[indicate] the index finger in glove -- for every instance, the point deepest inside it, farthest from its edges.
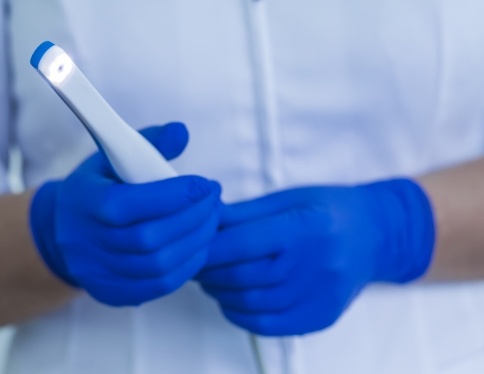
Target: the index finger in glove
(269, 205)
(170, 139)
(136, 203)
(127, 204)
(267, 236)
(250, 241)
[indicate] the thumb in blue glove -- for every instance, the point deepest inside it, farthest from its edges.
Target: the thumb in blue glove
(291, 262)
(126, 244)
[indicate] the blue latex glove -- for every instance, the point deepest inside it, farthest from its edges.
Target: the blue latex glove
(126, 244)
(291, 262)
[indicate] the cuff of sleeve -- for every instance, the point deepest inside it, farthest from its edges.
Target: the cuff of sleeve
(42, 227)
(409, 221)
(421, 230)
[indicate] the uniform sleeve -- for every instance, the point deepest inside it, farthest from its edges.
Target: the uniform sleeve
(5, 100)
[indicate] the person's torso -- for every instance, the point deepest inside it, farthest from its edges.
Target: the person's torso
(275, 94)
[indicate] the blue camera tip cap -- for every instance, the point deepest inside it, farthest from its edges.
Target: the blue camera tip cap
(39, 53)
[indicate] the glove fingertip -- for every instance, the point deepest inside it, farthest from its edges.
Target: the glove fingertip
(198, 188)
(42, 228)
(216, 187)
(170, 139)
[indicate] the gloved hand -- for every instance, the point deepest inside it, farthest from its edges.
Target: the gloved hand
(291, 262)
(126, 244)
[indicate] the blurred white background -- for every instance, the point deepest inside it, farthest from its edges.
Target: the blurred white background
(5, 336)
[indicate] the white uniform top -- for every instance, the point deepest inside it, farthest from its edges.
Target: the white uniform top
(275, 94)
